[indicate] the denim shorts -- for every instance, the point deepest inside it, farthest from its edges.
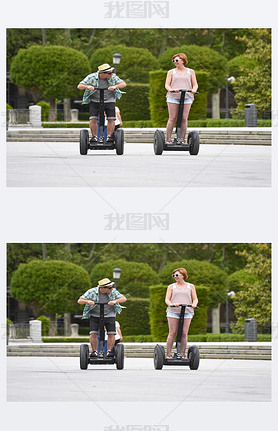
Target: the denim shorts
(187, 101)
(177, 316)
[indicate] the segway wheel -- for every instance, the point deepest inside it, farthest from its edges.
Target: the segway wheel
(84, 356)
(159, 142)
(119, 356)
(194, 357)
(194, 142)
(84, 141)
(159, 357)
(119, 141)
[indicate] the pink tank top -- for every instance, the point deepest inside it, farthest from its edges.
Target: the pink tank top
(181, 81)
(181, 295)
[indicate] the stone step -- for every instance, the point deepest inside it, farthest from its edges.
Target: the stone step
(138, 350)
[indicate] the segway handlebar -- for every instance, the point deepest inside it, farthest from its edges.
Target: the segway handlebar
(185, 305)
(186, 91)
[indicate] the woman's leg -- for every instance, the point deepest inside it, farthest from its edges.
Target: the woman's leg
(184, 335)
(173, 329)
(173, 113)
(186, 110)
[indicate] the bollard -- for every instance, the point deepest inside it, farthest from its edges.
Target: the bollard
(74, 329)
(35, 116)
(74, 115)
(250, 330)
(250, 114)
(35, 331)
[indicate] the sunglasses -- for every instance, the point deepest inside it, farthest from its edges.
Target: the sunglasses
(176, 60)
(108, 287)
(175, 275)
(108, 73)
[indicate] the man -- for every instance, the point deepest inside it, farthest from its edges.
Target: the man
(107, 294)
(104, 78)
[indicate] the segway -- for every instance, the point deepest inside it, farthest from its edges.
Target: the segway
(193, 357)
(193, 141)
(101, 359)
(85, 143)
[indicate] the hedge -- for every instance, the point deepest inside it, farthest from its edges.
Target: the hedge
(158, 319)
(134, 105)
(148, 338)
(158, 104)
(45, 325)
(136, 63)
(209, 122)
(45, 110)
(200, 273)
(134, 319)
(135, 279)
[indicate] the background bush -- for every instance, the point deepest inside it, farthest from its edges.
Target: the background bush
(158, 319)
(134, 319)
(134, 105)
(239, 280)
(45, 325)
(45, 110)
(135, 279)
(158, 104)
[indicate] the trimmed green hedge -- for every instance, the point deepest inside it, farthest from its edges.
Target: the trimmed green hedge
(134, 319)
(45, 325)
(134, 105)
(45, 110)
(239, 280)
(148, 338)
(158, 104)
(209, 122)
(135, 279)
(158, 319)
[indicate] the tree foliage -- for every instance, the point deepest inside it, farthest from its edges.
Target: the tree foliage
(254, 84)
(50, 71)
(50, 286)
(255, 300)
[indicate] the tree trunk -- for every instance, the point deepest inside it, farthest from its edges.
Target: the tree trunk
(52, 328)
(44, 251)
(215, 104)
(216, 320)
(44, 39)
(67, 115)
(52, 110)
(67, 323)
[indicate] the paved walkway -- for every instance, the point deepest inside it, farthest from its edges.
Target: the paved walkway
(60, 379)
(57, 164)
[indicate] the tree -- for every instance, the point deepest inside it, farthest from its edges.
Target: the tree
(254, 84)
(255, 300)
(136, 63)
(50, 286)
(51, 71)
(135, 279)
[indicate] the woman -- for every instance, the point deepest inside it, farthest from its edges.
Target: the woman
(179, 292)
(180, 78)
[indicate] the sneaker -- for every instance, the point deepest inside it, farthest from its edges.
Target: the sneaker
(94, 354)
(109, 354)
(93, 139)
(110, 139)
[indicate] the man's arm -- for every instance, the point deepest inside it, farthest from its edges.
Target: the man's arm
(85, 87)
(118, 300)
(83, 301)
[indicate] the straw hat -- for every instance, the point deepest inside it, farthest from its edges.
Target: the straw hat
(105, 68)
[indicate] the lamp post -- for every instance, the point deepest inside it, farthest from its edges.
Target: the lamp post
(228, 79)
(116, 60)
(231, 294)
(116, 275)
